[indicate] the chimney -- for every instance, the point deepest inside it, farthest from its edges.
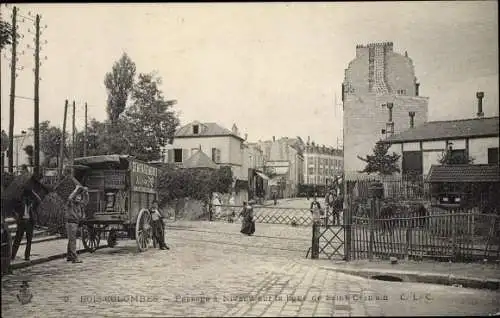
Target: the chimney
(274, 138)
(480, 96)
(417, 86)
(412, 119)
(246, 136)
(390, 106)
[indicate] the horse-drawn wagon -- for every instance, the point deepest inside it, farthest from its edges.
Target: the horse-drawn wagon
(121, 190)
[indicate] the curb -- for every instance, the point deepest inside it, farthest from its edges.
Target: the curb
(427, 278)
(47, 259)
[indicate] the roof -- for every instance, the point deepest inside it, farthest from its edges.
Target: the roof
(200, 160)
(449, 129)
(206, 130)
(464, 173)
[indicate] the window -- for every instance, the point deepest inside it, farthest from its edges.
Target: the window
(401, 91)
(216, 155)
(311, 170)
(196, 129)
(493, 156)
(177, 155)
(412, 162)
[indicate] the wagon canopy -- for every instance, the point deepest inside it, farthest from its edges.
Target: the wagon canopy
(103, 161)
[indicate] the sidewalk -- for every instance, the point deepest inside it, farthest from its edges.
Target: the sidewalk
(45, 250)
(468, 275)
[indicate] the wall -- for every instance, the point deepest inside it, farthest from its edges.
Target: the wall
(432, 151)
(478, 148)
(366, 91)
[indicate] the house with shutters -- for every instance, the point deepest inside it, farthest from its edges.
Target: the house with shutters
(223, 146)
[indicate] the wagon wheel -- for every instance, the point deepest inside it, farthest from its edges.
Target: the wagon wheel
(143, 230)
(91, 237)
(112, 238)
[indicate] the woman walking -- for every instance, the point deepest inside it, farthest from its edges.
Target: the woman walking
(247, 224)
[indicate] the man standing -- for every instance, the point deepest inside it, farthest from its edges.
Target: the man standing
(158, 226)
(25, 223)
(74, 216)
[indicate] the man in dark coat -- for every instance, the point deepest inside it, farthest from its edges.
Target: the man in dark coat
(25, 219)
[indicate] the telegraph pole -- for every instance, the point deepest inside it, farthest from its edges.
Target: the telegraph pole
(73, 137)
(85, 139)
(12, 90)
(61, 150)
(36, 168)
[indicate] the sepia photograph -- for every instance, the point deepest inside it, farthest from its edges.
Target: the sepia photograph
(250, 159)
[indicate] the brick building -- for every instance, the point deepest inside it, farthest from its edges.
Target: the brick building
(378, 92)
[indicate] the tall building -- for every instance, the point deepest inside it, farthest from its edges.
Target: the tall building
(380, 95)
(321, 164)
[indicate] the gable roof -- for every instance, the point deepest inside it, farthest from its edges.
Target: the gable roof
(205, 130)
(464, 173)
(199, 160)
(449, 129)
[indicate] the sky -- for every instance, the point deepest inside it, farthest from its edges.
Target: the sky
(274, 69)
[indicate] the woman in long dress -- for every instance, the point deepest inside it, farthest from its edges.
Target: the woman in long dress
(247, 224)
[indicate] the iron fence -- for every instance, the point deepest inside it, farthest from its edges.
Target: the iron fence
(459, 235)
(264, 214)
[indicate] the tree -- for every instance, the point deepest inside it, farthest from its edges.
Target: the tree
(450, 157)
(5, 34)
(119, 84)
(149, 123)
(381, 162)
(50, 143)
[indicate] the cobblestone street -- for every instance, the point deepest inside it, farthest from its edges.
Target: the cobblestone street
(210, 273)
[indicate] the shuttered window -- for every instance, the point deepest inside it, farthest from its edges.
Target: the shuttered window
(216, 155)
(177, 155)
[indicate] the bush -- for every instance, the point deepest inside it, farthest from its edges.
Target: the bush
(197, 184)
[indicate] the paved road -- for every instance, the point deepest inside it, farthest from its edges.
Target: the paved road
(222, 273)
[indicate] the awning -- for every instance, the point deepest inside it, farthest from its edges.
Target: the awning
(263, 176)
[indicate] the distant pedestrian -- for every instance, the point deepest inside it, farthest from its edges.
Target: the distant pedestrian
(216, 204)
(248, 222)
(25, 220)
(275, 198)
(158, 225)
(231, 213)
(315, 209)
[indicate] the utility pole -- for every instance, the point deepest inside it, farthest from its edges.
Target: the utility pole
(36, 168)
(12, 90)
(61, 151)
(73, 138)
(85, 139)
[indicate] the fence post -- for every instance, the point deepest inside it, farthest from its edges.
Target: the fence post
(408, 242)
(315, 239)
(453, 234)
(210, 211)
(346, 216)
(373, 208)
